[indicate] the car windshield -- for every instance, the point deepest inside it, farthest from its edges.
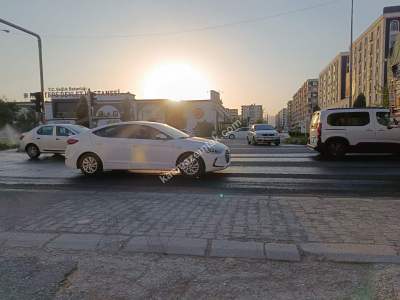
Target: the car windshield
(263, 127)
(173, 132)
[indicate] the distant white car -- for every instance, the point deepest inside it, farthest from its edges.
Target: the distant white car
(50, 138)
(141, 145)
(240, 133)
(263, 134)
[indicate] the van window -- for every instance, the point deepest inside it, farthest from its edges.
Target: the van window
(349, 119)
(383, 118)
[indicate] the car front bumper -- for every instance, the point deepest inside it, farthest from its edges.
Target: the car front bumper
(216, 162)
(267, 139)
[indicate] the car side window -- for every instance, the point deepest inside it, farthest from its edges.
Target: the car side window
(45, 130)
(383, 118)
(63, 131)
(115, 131)
(349, 119)
(144, 132)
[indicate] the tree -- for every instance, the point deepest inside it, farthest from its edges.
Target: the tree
(82, 112)
(360, 101)
(8, 111)
(25, 120)
(385, 96)
(204, 129)
(316, 108)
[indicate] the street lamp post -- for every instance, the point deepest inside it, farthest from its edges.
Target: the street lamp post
(351, 56)
(39, 40)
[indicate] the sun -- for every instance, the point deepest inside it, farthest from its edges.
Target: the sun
(175, 81)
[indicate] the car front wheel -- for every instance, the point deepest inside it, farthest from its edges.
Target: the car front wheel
(90, 164)
(33, 151)
(191, 166)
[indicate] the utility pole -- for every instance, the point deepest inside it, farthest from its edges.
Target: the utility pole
(351, 55)
(39, 40)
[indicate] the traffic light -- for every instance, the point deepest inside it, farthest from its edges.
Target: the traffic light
(38, 100)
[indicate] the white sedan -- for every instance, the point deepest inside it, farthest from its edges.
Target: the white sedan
(240, 133)
(141, 145)
(51, 138)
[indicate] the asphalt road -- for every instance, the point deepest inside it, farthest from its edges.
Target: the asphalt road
(286, 169)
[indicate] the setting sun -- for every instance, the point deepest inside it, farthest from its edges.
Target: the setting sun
(175, 81)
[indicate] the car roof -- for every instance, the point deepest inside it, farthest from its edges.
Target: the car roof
(130, 123)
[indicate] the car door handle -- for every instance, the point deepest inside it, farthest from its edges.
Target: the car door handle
(38, 138)
(57, 139)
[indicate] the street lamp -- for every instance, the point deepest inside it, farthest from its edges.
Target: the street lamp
(39, 40)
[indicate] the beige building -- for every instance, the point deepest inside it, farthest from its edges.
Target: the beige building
(289, 114)
(304, 102)
(370, 53)
(394, 77)
(333, 88)
(281, 120)
(233, 114)
(252, 113)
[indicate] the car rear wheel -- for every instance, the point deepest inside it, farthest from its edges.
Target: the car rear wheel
(231, 136)
(90, 164)
(33, 151)
(336, 149)
(191, 166)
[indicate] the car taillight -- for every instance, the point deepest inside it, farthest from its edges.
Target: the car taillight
(72, 141)
(319, 130)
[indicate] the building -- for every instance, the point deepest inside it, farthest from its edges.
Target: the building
(289, 115)
(233, 114)
(113, 106)
(370, 53)
(190, 115)
(304, 102)
(252, 113)
(333, 87)
(394, 77)
(281, 120)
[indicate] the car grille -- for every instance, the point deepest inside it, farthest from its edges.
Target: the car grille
(268, 134)
(227, 156)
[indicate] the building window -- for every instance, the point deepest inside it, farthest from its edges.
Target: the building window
(394, 26)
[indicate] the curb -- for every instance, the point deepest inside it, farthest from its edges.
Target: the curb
(350, 253)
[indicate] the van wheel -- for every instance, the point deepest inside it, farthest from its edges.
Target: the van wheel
(337, 149)
(90, 164)
(32, 151)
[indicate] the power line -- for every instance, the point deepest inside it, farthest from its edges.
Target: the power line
(198, 29)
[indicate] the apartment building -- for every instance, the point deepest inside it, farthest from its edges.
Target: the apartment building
(333, 87)
(289, 107)
(304, 102)
(370, 55)
(233, 114)
(281, 120)
(394, 76)
(252, 113)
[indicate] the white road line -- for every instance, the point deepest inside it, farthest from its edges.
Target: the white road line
(272, 159)
(275, 155)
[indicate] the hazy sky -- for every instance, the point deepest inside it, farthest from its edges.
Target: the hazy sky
(261, 62)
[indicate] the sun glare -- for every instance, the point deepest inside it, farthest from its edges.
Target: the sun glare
(175, 81)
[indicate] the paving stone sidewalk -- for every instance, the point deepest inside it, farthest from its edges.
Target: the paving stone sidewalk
(205, 217)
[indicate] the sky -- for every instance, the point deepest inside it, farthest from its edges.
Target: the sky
(253, 51)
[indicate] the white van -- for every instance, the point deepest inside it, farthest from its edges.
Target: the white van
(335, 132)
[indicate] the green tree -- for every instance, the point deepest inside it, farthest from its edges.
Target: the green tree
(360, 101)
(25, 120)
(8, 112)
(385, 96)
(82, 112)
(204, 129)
(316, 108)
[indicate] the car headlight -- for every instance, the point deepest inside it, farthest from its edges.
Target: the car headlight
(217, 149)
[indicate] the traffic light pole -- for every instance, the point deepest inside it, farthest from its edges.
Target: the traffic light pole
(39, 40)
